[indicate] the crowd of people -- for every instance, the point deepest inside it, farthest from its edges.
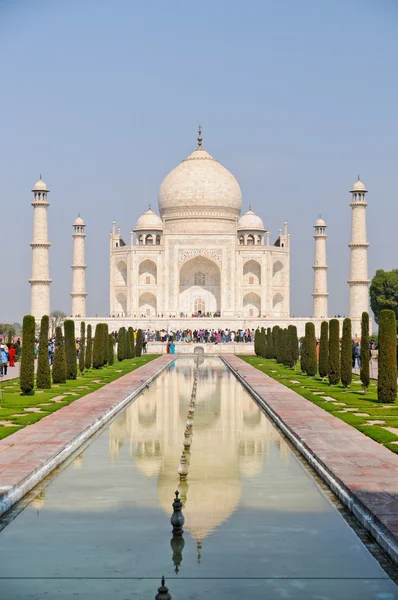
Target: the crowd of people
(7, 356)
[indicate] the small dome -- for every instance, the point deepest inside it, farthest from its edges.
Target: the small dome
(40, 186)
(320, 223)
(79, 221)
(251, 221)
(358, 187)
(149, 221)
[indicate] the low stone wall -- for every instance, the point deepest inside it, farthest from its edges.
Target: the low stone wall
(189, 348)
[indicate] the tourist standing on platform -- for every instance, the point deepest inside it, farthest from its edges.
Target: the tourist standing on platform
(3, 360)
(11, 355)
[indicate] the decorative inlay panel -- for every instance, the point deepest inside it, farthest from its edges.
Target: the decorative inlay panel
(187, 254)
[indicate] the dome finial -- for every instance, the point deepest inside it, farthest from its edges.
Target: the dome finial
(149, 206)
(358, 178)
(199, 138)
(250, 206)
(40, 177)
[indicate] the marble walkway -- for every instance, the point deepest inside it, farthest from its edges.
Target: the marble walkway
(30, 454)
(361, 472)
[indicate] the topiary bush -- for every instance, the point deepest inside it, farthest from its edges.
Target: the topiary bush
(98, 350)
(269, 344)
(138, 343)
(263, 343)
(105, 342)
(275, 340)
(387, 378)
(82, 353)
(120, 344)
(111, 349)
(130, 342)
(310, 350)
(334, 352)
(59, 361)
(27, 374)
(43, 375)
(256, 342)
(323, 363)
(303, 356)
(88, 359)
(346, 354)
(292, 353)
(70, 349)
(365, 358)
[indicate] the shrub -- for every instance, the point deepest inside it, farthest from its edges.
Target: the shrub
(262, 342)
(292, 353)
(27, 374)
(98, 350)
(111, 349)
(323, 364)
(120, 343)
(89, 349)
(387, 378)
(310, 350)
(59, 362)
(275, 341)
(82, 353)
(346, 354)
(364, 372)
(43, 375)
(138, 344)
(256, 342)
(130, 342)
(70, 349)
(269, 346)
(105, 343)
(334, 352)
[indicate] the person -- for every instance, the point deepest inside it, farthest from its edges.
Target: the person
(357, 355)
(51, 348)
(144, 344)
(168, 348)
(3, 360)
(172, 348)
(11, 355)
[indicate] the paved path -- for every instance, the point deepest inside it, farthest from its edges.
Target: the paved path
(373, 369)
(360, 471)
(31, 453)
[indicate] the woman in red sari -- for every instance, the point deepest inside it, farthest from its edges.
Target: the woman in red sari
(11, 355)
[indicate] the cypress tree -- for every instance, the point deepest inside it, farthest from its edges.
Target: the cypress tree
(256, 352)
(82, 353)
(120, 344)
(275, 341)
(138, 345)
(346, 354)
(43, 376)
(263, 343)
(270, 349)
(130, 342)
(105, 341)
(292, 346)
(303, 356)
(334, 352)
(89, 349)
(364, 373)
(98, 355)
(133, 349)
(323, 365)
(70, 349)
(310, 349)
(111, 350)
(387, 378)
(59, 362)
(27, 374)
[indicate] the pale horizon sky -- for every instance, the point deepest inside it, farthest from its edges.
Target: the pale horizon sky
(103, 99)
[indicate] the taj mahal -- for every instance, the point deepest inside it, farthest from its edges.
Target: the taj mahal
(200, 257)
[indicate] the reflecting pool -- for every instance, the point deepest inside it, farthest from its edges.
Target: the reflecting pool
(257, 524)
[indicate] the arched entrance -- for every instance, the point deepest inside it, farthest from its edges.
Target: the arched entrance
(200, 287)
(147, 304)
(252, 305)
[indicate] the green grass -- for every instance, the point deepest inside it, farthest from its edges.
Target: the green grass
(353, 397)
(13, 403)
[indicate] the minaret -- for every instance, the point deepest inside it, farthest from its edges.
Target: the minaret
(40, 281)
(78, 292)
(358, 282)
(320, 267)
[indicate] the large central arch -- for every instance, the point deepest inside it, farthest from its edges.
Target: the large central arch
(200, 278)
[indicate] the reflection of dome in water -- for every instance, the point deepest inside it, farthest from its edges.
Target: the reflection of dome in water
(147, 416)
(252, 415)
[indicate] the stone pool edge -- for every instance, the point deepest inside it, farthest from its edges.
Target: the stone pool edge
(369, 521)
(16, 492)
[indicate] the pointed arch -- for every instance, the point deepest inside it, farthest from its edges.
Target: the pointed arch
(121, 273)
(121, 304)
(252, 305)
(252, 272)
(147, 272)
(148, 304)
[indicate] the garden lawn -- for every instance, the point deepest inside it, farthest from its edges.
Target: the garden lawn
(348, 404)
(17, 411)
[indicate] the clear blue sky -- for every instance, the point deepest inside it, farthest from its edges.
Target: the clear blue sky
(103, 98)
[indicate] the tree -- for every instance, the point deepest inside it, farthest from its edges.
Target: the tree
(56, 319)
(323, 364)
(138, 345)
(7, 328)
(310, 350)
(88, 359)
(261, 343)
(27, 375)
(384, 292)
(70, 349)
(275, 340)
(120, 343)
(133, 344)
(279, 345)
(98, 352)
(130, 342)
(346, 354)
(334, 352)
(387, 378)
(82, 353)
(43, 376)
(269, 346)
(111, 349)
(59, 362)
(105, 342)
(292, 346)
(303, 356)
(256, 344)
(364, 372)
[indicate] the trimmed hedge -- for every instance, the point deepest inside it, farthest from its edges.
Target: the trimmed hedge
(387, 378)
(88, 359)
(27, 375)
(43, 375)
(82, 352)
(138, 344)
(323, 363)
(59, 362)
(120, 343)
(365, 359)
(311, 366)
(70, 349)
(346, 354)
(334, 352)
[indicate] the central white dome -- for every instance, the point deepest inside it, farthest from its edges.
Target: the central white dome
(200, 186)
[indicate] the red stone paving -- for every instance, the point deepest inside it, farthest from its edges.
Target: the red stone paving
(23, 452)
(364, 469)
